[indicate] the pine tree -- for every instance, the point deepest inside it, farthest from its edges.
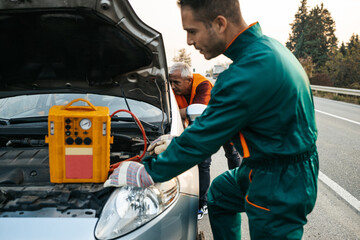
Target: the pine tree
(315, 38)
(322, 42)
(353, 43)
(296, 37)
(342, 49)
(313, 34)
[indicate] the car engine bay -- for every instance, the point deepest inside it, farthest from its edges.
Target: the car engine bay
(25, 187)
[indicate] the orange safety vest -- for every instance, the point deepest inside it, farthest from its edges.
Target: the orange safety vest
(182, 103)
(197, 79)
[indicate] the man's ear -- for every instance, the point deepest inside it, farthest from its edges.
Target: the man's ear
(220, 23)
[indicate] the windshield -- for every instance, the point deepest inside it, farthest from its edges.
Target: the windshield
(38, 105)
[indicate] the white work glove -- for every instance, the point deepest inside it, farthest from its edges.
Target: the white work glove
(129, 174)
(160, 144)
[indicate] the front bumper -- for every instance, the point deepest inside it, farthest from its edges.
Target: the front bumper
(179, 221)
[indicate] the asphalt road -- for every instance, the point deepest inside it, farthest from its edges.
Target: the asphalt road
(339, 142)
(339, 149)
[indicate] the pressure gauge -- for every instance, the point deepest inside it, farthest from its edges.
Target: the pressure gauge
(85, 123)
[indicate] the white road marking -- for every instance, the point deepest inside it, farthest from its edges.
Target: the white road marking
(350, 199)
(332, 115)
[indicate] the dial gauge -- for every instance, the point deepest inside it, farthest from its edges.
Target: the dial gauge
(85, 123)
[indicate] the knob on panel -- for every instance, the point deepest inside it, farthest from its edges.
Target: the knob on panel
(69, 140)
(78, 141)
(87, 141)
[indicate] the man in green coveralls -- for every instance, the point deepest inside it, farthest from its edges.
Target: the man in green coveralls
(263, 104)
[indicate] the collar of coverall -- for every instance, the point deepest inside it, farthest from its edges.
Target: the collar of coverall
(242, 39)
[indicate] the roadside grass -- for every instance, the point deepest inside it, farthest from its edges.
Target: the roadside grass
(337, 97)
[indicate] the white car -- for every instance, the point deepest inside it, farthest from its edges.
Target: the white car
(51, 53)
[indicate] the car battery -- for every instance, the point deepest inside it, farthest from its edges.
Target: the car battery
(79, 143)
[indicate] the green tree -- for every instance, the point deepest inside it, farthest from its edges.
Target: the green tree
(296, 37)
(320, 40)
(183, 56)
(342, 49)
(344, 69)
(353, 43)
(313, 34)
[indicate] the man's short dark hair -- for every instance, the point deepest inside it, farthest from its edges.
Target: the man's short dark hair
(207, 10)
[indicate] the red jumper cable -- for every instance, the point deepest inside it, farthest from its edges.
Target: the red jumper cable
(136, 158)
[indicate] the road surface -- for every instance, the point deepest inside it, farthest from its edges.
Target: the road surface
(335, 215)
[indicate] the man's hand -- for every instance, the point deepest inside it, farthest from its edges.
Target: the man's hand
(129, 174)
(160, 144)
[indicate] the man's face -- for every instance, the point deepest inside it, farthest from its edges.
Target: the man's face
(204, 38)
(180, 85)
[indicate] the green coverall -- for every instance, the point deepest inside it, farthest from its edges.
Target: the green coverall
(265, 95)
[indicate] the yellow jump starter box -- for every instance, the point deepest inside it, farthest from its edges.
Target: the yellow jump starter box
(79, 143)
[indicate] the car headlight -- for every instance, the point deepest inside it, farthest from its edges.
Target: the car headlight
(131, 207)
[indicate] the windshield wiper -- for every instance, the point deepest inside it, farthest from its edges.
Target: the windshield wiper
(128, 119)
(28, 120)
(4, 121)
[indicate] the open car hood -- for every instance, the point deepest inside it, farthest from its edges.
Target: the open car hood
(80, 46)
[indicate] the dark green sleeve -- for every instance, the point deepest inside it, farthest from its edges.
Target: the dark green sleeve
(265, 95)
(227, 112)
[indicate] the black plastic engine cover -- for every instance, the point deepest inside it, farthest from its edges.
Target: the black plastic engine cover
(24, 165)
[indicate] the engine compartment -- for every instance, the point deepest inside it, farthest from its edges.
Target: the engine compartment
(52, 200)
(25, 187)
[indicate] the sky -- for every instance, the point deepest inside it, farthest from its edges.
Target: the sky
(274, 16)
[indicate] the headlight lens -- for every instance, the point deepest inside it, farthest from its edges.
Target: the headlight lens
(130, 207)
